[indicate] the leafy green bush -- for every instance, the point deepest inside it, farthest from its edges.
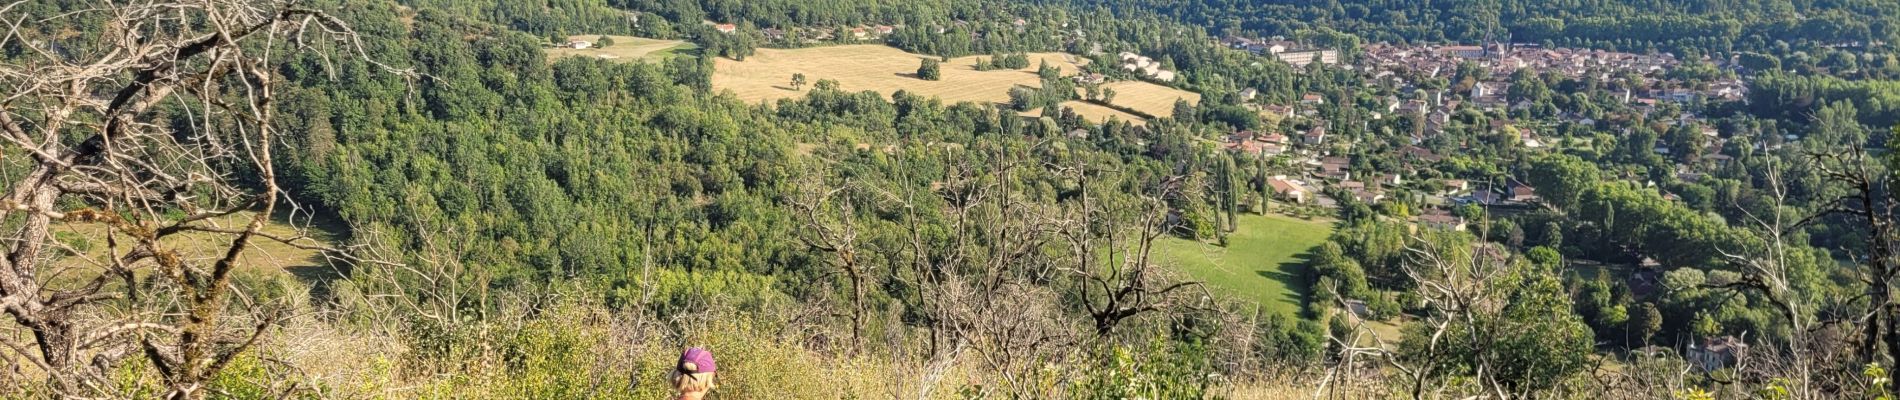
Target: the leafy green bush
(1164, 370)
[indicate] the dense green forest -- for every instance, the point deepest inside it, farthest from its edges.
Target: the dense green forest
(490, 222)
(1704, 26)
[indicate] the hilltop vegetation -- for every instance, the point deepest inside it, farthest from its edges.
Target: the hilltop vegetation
(517, 220)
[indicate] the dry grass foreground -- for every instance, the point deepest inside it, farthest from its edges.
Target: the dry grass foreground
(86, 244)
(624, 49)
(767, 75)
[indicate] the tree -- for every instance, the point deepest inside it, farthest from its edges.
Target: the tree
(798, 81)
(1489, 320)
(603, 42)
(123, 165)
(1562, 179)
(1108, 95)
(826, 212)
(1330, 261)
(1645, 322)
(1022, 99)
(930, 70)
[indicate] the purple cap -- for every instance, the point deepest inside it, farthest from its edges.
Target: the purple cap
(701, 360)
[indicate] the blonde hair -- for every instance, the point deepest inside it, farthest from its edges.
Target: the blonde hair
(691, 382)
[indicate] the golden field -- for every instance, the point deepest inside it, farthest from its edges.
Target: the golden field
(767, 76)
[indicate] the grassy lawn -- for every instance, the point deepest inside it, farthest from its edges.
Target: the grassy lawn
(627, 49)
(1263, 262)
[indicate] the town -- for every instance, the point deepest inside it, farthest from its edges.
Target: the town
(1428, 86)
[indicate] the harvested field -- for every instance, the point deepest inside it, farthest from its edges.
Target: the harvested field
(766, 76)
(1149, 98)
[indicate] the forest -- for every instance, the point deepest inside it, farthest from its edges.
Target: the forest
(486, 221)
(1705, 26)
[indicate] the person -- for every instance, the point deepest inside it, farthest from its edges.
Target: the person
(693, 376)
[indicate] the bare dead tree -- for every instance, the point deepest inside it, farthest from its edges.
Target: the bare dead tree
(1119, 277)
(1766, 271)
(984, 280)
(981, 252)
(1868, 203)
(1457, 287)
(827, 213)
(96, 155)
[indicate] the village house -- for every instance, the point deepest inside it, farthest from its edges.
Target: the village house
(1463, 51)
(1390, 179)
(1315, 136)
(579, 44)
(1300, 59)
(1366, 196)
(1335, 168)
(1245, 146)
(1440, 220)
(1145, 67)
(1288, 189)
(1522, 193)
(1456, 186)
(1415, 153)
(726, 28)
(1485, 197)
(1312, 99)
(1530, 139)
(1716, 353)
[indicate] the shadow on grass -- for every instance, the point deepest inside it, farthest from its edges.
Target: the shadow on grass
(320, 274)
(1293, 275)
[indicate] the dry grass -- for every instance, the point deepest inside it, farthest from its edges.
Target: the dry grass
(202, 248)
(1268, 390)
(625, 49)
(766, 77)
(1149, 98)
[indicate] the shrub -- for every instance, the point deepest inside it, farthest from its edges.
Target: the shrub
(1165, 370)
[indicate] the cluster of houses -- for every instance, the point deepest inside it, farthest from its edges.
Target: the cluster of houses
(1390, 61)
(1327, 175)
(1145, 66)
(818, 34)
(1436, 109)
(1285, 50)
(1327, 171)
(1502, 59)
